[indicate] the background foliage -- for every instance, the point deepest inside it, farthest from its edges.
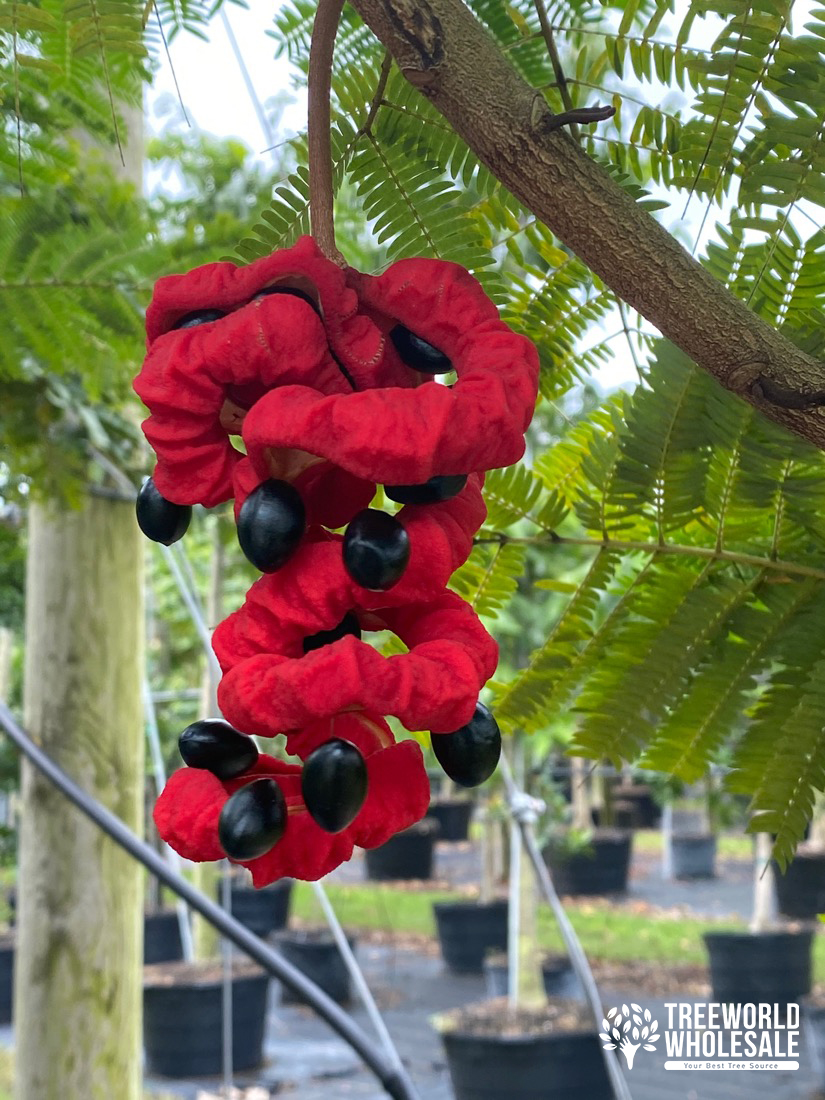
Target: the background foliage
(666, 547)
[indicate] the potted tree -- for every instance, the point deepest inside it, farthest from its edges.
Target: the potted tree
(469, 929)
(767, 962)
(800, 888)
(315, 952)
(262, 911)
(581, 859)
(693, 848)
(451, 808)
(183, 1017)
(407, 855)
(522, 1046)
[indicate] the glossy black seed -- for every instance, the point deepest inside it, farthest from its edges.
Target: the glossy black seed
(470, 754)
(348, 625)
(158, 518)
(199, 317)
(376, 550)
(271, 524)
(252, 820)
(217, 747)
(417, 353)
(429, 492)
(334, 784)
(267, 290)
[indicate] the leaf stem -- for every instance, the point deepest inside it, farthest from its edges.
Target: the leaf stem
(322, 43)
(711, 553)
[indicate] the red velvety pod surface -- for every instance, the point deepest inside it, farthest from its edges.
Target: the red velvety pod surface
(398, 794)
(270, 686)
(189, 807)
(275, 340)
(396, 435)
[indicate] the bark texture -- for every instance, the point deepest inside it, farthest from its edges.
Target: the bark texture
(79, 951)
(445, 52)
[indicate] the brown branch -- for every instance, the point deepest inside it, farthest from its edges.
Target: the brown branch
(445, 52)
(555, 60)
(321, 196)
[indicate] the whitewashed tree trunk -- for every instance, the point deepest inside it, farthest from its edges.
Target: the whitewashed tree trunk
(79, 950)
(580, 794)
(764, 887)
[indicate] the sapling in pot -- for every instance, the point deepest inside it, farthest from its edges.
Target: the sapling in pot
(584, 860)
(520, 1046)
(769, 962)
(801, 886)
(469, 930)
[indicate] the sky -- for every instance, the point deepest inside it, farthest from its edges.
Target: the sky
(212, 85)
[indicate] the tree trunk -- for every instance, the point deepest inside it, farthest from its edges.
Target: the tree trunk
(764, 890)
(580, 794)
(78, 968)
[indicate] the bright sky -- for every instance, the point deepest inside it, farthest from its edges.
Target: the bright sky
(212, 85)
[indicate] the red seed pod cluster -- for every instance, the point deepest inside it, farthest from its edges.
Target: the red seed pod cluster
(331, 380)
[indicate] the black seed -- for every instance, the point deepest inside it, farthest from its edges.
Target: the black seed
(158, 518)
(271, 524)
(217, 747)
(334, 784)
(252, 820)
(348, 625)
(376, 550)
(199, 317)
(417, 353)
(267, 290)
(470, 754)
(430, 492)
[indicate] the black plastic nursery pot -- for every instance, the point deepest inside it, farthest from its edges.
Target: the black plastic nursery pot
(753, 967)
(182, 1018)
(647, 811)
(600, 869)
(694, 856)
(315, 953)
(453, 817)
(557, 973)
(550, 1067)
(800, 891)
(161, 936)
(262, 911)
(467, 930)
(624, 816)
(6, 977)
(407, 855)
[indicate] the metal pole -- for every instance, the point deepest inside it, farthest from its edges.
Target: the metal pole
(357, 975)
(172, 857)
(395, 1080)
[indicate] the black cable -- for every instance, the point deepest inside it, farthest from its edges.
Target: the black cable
(395, 1080)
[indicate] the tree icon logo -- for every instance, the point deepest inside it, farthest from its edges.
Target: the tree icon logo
(627, 1029)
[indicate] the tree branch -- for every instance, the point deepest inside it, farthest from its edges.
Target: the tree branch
(450, 58)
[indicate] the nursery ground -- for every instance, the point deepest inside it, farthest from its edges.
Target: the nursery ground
(646, 947)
